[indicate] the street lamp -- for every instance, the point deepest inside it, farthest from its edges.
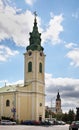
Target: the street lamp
(13, 110)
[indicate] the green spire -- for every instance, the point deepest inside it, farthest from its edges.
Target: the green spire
(35, 38)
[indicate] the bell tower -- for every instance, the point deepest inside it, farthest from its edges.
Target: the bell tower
(58, 104)
(34, 74)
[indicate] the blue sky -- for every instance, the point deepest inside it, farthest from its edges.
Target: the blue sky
(58, 22)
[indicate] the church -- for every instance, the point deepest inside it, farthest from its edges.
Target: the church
(58, 104)
(27, 101)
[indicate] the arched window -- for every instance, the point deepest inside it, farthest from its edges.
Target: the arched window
(7, 103)
(30, 66)
(40, 67)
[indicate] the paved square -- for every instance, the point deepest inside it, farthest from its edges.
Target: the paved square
(24, 127)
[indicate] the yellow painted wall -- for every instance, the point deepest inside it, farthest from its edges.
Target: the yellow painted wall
(6, 110)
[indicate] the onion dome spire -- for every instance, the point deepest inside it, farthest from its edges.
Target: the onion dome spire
(35, 37)
(58, 96)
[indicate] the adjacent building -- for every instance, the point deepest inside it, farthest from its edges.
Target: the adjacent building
(56, 109)
(58, 104)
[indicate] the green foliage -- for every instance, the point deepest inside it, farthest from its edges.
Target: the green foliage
(69, 117)
(59, 116)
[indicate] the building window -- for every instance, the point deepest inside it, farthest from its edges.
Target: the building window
(30, 66)
(40, 104)
(40, 118)
(7, 103)
(41, 54)
(57, 103)
(40, 67)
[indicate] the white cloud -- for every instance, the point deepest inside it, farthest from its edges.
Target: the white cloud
(70, 45)
(6, 52)
(60, 82)
(6, 83)
(30, 2)
(53, 30)
(16, 26)
(74, 56)
(19, 82)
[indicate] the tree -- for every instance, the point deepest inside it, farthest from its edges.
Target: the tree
(65, 117)
(46, 114)
(71, 115)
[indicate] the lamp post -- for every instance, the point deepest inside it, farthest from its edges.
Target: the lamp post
(51, 110)
(13, 110)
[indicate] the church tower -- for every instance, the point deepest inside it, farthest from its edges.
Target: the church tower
(58, 104)
(34, 75)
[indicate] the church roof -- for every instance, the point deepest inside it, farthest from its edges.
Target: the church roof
(13, 88)
(35, 38)
(10, 88)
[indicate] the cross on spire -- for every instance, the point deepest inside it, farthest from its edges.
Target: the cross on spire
(35, 14)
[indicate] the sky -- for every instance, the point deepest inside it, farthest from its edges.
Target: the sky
(58, 23)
